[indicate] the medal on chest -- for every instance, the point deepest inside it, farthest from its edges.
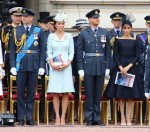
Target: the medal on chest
(35, 36)
(103, 38)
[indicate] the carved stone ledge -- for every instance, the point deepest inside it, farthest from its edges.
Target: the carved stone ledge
(104, 2)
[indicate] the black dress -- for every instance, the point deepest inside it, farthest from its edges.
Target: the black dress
(126, 51)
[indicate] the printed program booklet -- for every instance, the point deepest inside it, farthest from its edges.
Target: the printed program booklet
(127, 81)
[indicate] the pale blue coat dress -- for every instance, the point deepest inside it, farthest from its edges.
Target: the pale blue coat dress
(60, 81)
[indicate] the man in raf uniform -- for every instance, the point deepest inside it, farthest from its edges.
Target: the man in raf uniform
(27, 60)
(5, 38)
(116, 32)
(94, 41)
(51, 23)
(144, 41)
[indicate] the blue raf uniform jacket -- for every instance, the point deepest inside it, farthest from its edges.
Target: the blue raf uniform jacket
(31, 61)
(88, 43)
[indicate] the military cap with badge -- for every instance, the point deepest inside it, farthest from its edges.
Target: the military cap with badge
(17, 11)
(27, 12)
(93, 14)
(117, 16)
(51, 19)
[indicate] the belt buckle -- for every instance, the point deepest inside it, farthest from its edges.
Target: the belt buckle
(28, 51)
(97, 54)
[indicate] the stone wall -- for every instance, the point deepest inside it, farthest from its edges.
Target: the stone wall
(76, 9)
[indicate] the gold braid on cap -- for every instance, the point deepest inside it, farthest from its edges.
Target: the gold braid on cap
(5, 38)
(112, 41)
(21, 43)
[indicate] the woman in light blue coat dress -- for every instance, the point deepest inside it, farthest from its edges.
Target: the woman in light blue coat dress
(60, 51)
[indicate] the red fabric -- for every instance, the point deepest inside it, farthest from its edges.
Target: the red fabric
(5, 93)
(104, 98)
(14, 97)
(2, 97)
(83, 97)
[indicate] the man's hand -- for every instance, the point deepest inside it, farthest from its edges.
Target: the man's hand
(81, 73)
(107, 72)
(13, 71)
(41, 71)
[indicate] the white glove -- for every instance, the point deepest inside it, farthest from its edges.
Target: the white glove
(81, 73)
(41, 71)
(107, 72)
(13, 71)
(147, 95)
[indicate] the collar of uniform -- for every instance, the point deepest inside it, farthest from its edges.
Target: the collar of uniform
(94, 28)
(148, 31)
(13, 25)
(115, 29)
(28, 26)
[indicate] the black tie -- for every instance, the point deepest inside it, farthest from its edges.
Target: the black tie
(118, 32)
(95, 32)
(27, 30)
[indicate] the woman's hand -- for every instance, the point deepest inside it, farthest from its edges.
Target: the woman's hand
(126, 69)
(56, 67)
(121, 69)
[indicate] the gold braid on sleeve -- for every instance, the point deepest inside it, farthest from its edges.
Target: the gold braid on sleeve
(5, 38)
(21, 43)
(112, 41)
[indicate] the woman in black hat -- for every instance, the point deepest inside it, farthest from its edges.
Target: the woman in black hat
(126, 55)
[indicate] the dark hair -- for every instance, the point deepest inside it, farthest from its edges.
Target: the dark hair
(127, 22)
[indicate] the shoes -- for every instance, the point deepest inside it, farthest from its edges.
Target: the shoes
(20, 122)
(57, 122)
(89, 123)
(98, 123)
(129, 123)
(62, 122)
(30, 122)
(123, 122)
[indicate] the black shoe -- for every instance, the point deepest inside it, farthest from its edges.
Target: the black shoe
(98, 123)
(20, 122)
(89, 123)
(30, 122)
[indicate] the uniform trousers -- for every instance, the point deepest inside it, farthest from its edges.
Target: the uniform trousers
(28, 80)
(93, 92)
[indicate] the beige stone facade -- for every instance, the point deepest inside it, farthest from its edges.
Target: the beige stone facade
(76, 9)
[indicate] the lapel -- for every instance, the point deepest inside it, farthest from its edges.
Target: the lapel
(90, 31)
(31, 30)
(114, 34)
(100, 32)
(121, 33)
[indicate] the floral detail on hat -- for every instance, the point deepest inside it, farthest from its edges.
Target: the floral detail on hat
(60, 17)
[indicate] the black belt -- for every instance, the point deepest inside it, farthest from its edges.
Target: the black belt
(28, 51)
(94, 54)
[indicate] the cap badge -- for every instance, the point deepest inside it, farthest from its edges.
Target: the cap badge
(96, 12)
(18, 10)
(117, 15)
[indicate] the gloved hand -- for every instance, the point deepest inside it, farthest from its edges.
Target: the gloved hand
(147, 95)
(13, 71)
(41, 71)
(81, 73)
(107, 72)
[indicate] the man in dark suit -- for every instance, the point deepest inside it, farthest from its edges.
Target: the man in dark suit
(95, 64)
(27, 60)
(80, 25)
(144, 41)
(43, 23)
